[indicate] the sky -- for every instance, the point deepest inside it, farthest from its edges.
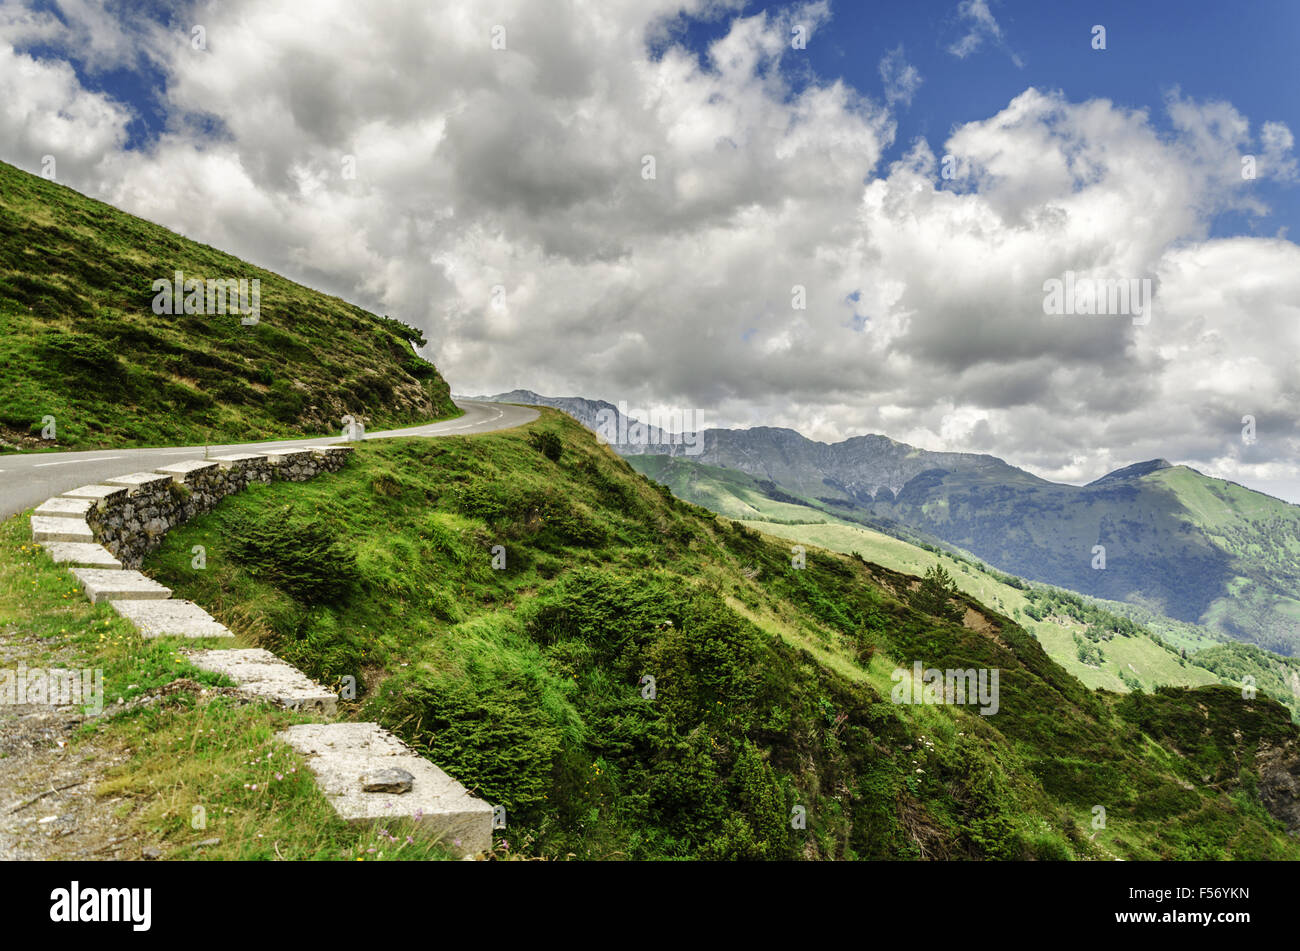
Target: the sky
(837, 217)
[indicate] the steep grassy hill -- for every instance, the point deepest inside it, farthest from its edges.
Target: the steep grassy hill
(1179, 545)
(80, 342)
(771, 688)
(1093, 640)
(1196, 549)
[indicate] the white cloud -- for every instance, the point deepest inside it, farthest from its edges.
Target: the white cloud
(523, 167)
(900, 77)
(981, 27)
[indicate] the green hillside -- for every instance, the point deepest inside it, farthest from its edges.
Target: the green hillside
(80, 342)
(1261, 534)
(1178, 544)
(772, 683)
(1197, 549)
(1089, 638)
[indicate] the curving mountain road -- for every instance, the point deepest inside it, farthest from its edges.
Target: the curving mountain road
(29, 479)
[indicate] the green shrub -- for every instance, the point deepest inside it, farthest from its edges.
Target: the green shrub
(301, 558)
(548, 444)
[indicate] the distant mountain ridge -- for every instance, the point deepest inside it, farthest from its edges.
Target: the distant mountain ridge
(859, 467)
(1159, 535)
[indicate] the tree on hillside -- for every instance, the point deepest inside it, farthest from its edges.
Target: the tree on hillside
(935, 593)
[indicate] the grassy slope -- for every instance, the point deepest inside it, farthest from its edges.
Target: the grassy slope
(182, 751)
(79, 340)
(1151, 661)
(1262, 534)
(1201, 550)
(772, 684)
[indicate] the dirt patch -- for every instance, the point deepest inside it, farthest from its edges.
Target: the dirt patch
(48, 776)
(48, 806)
(973, 620)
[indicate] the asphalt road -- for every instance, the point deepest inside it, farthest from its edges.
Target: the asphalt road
(29, 479)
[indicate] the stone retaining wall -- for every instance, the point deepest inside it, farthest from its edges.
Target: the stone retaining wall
(103, 531)
(132, 513)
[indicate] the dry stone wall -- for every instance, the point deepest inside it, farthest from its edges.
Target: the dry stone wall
(103, 532)
(131, 517)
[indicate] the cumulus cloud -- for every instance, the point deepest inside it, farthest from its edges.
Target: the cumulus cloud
(900, 77)
(770, 271)
(975, 17)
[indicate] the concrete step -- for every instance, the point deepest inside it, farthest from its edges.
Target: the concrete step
(263, 676)
(179, 470)
(140, 480)
(48, 528)
(81, 554)
(345, 756)
(174, 617)
(100, 493)
(234, 459)
(105, 584)
(65, 508)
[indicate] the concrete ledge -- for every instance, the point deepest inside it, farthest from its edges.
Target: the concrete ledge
(104, 584)
(100, 493)
(65, 508)
(342, 754)
(333, 450)
(281, 457)
(46, 528)
(232, 461)
(170, 617)
(140, 480)
(81, 554)
(263, 676)
(180, 470)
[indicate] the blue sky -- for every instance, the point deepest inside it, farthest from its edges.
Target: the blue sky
(1245, 53)
(520, 169)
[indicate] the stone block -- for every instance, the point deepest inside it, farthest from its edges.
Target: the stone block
(81, 554)
(172, 617)
(343, 755)
(106, 584)
(66, 508)
(46, 528)
(263, 676)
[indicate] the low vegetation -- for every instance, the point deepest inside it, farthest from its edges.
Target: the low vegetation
(632, 676)
(82, 351)
(199, 772)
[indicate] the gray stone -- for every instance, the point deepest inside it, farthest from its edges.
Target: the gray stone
(65, 508)
(263, 676)
(390, 780)
(100, 493)
(180, 470)
(46, 528)
(340, 754)
(80, 554)
(170, 617)
(105, 584)
(140, 480)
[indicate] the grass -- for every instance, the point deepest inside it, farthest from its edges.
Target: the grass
(187, 751)
(80, 344)
(527, 682)
(1149, 657)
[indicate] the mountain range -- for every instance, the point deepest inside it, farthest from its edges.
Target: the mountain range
(1164, 537)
